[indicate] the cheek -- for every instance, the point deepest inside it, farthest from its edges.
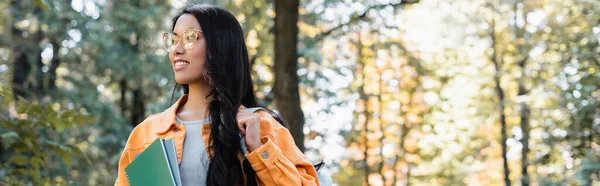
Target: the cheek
(170, 56)
(198, 55)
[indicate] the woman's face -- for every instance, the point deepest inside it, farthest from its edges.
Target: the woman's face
(188, 62)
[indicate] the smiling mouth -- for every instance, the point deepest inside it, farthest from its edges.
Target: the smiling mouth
(180, 65)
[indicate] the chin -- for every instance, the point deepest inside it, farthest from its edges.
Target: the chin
(185, 80)
(181, 80)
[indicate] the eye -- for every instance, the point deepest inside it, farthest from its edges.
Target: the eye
(168, 40)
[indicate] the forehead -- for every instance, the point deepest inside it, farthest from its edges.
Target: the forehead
(186, 21)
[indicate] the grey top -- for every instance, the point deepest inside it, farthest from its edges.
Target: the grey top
(194, 163)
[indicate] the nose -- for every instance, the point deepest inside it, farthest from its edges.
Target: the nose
(176, 49)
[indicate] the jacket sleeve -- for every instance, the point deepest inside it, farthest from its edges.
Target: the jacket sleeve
(133, 146)
(121, 177)
(279, 161)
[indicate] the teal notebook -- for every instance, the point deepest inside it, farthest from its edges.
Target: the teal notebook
(156, 165)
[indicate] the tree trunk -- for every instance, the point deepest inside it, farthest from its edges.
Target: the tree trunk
(381, 126)
(287, 97)
(366, 141)
(39, 88)
(525, 110)
(365, 99)
(25, 50)
(525, 142)
(501, 101)
(21, 65)
(21, 68)
(123, 101)
(403, 133)
(53, 65)
(408, 174)
(137, 107)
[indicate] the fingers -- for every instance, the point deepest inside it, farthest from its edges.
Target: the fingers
(242, 126)
(242, 118)
(245, 119)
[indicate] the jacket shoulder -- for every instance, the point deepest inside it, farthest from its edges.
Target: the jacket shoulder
(143, 132)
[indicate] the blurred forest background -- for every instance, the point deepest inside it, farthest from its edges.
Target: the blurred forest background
(389, 92)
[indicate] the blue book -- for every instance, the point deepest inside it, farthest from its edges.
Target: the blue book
(172, 156)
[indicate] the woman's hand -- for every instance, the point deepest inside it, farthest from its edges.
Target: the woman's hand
(249, 125)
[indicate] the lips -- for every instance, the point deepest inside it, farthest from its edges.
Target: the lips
(180, 64)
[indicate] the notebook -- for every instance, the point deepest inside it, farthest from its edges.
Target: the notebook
(156, 165)
(172, 156)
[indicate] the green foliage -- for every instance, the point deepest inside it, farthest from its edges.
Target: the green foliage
(590, 165)
(427, 94)
(37, 134)
(93, 45)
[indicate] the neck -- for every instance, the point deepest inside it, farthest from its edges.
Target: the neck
(197, 101)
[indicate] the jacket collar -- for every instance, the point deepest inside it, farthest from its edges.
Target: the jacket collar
(168, 117)
(168, 120)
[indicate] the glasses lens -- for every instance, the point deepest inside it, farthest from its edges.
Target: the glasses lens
(189, 38)
(168, 40)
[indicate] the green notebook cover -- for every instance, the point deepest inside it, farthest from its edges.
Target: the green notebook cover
(151, 167)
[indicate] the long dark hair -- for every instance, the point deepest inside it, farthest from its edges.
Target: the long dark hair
(227, 70)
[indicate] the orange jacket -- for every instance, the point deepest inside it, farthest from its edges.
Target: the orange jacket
(277, 162)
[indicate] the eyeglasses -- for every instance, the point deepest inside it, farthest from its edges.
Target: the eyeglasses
(188, 38)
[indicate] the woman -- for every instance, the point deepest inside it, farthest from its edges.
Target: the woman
(219, 141)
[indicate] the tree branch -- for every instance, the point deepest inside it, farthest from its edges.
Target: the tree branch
(358, 17)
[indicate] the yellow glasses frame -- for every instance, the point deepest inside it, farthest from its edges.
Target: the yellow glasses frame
(188, 39)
